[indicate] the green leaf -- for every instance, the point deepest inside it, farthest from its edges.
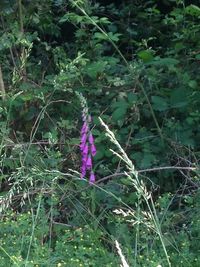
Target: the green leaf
(193, 84)
(132, 198)
(165, 61)
(119, 113)
(126, 181)
(96, 68)
(147, 160)
(197, 56)
(159, 103)
(114, 36)
(109, 36)
(99, 155)
(145, 55)
(132, 98)
(100, 36)
(179, 98)
(193, 10)
(120, 103)
(104, 20)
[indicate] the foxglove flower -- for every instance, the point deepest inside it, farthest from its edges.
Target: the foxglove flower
(92, 177)
(85, 150)
(83, 141)
(92, 145)
(93, 150)
(91, 139)
(84, 128)
(87, 146)
(89, 163)
(83, 171)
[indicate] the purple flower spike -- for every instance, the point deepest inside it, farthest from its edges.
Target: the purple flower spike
(93, 150)
(83, 171)
(92, 177)
(84, 117)
(89, 163)
(91, 139)
(85, 150)
(84, 128)
(83, 141)
(84, 159)
(89, 118)
(87, 146)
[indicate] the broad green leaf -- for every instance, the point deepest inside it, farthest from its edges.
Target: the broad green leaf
(168, 61)
(197, 56)
(100, 36)
(109, 36)
(96, 68)
(179, 98)
(193, 10)
(193, 84)
(159, 103)
(114, 36)
(119, 113)
(99, 155)
(104, 20)
(120, 104)
(145, 55)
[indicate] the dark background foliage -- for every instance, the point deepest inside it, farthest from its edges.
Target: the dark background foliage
(137, 64)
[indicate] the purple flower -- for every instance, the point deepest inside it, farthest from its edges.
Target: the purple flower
(87, 146)
(84, 128)
(84, 117)
(91, 139)
(83, 171)
(84, 159)
(89, 163)
(83, 141)
(89, 118)
(92, 177)
(85, 150)
(93, 150)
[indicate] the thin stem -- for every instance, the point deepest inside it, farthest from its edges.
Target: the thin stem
(2, 87)
(20, 16)
(147, 170)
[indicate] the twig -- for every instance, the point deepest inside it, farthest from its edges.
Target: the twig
(147, 170)
(39, 143)
(188, 179)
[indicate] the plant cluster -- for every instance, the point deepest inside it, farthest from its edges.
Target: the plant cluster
(108, 90)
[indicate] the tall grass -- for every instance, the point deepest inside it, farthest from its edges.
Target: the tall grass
(141, 189)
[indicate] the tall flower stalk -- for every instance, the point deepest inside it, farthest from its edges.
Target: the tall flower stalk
(87, 146)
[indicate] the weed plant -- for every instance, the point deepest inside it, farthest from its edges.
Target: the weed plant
(140, 205)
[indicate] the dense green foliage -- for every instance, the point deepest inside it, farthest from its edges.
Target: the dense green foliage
(137, 64)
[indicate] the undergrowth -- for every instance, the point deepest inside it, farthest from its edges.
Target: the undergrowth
(139, 92)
